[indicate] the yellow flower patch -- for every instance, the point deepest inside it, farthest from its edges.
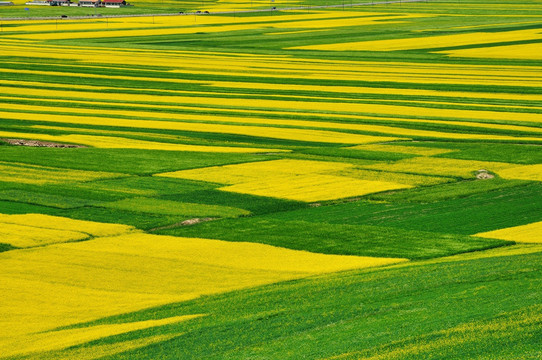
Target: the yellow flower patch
(523, 52)
(28, 236)
(524, 172)
(394, 177)
(312, 187)
(113, 142)
(430, 41)
(30, 230)
(62, 339)
(414, 150)
(238, 173)
(301, 180)
(62, 223)
(249, 130)
(35, 174)
(84, 281)
(530, 233)
(441, 166)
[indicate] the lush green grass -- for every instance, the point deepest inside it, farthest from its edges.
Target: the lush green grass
(140, 220)
(10, 207)
(356, 154)
(130, 161)
(39, 198)
(487, 211)
(442, 192)
(254, 204)
(470, 307)
(483, 303)
(364, 240)
(168, 207)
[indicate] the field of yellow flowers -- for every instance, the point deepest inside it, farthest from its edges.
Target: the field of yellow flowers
(351, 182)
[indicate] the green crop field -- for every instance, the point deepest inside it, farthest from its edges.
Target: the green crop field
(311, 179)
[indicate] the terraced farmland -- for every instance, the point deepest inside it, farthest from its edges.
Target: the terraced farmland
(351, 182)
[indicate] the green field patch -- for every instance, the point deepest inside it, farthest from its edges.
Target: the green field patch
(449, 191)
(356, 154)
(510, 153)
(129, 161)
(361, 240)
(285, 320)
(143, 221)
(168, 207)
(147, 186)
(251, 203)
(6, 247)
(480, 212)
(11, 207)
(482, 303)
(25, 173)
(52, 200)
(401, 178)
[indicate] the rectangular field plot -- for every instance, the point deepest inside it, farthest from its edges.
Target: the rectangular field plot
(441, 166)
(168, 207)
(312, 187)
(485, 211)
(33, 174)
(52, 200)
(299, 180)
(333, 238)
(125, 161)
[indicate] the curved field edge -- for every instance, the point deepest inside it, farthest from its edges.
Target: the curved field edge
(426, 309)
(86, 280)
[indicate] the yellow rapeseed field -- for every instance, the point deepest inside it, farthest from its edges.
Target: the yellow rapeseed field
(170, 25)
(30, 230)
(259, 131)
(378, 91)
(103, 349)
(114, 142)
(414, 150)
(520, 52)
(278, 67)
(530, 233)
(301, 180)
(441, 166)
(244, 106)
(523, 172)
(395, 177)
(62, 339)
(34, 174)
(85, 281)
(62, 223)
(312, 187)
(28, 236)
(430, 41)
(238, 173)
(288, 107)
(265, 131)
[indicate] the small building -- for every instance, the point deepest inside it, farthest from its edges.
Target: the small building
(59, 2)
(6, 3)
(114, 3)
(90, 3)
(38, 2)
